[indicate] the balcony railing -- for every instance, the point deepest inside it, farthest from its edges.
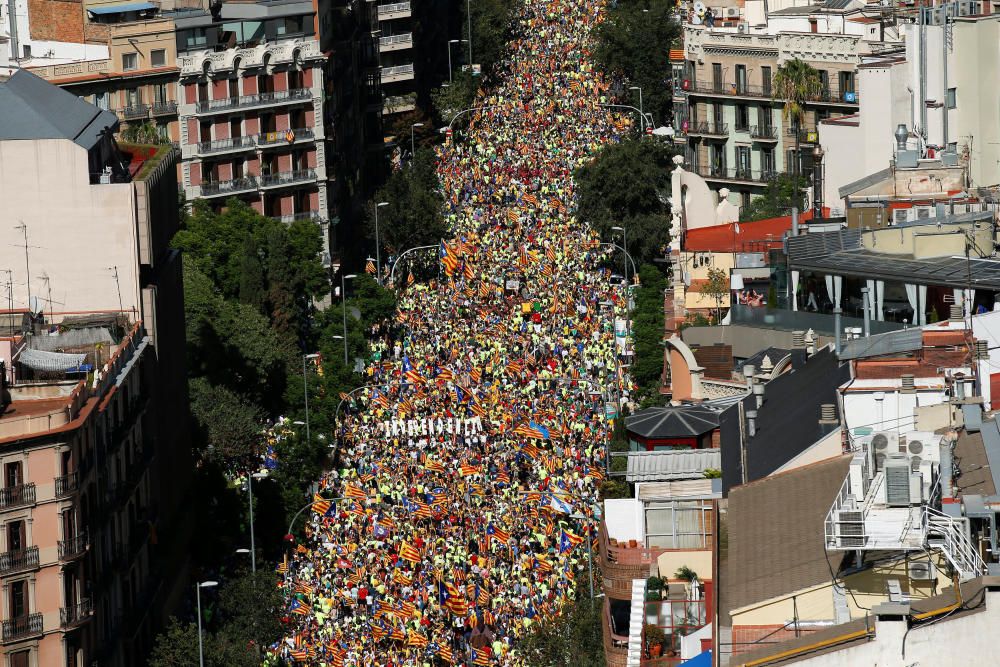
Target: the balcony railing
(393, 10)
(73, 547)
(287, 178)
(75, 614)
(17, 496)
(16, 629)
(66, 485)
(283, 137)
(293, 217)
(396, 39)
(226, 145)
(166, 108)
(729, 89)
(22, 559)
(737, 174)
(397, 71)
(259, 99)
(709, 129)
(233, 186)
(399, 103)
(135, 112)
(764, 132)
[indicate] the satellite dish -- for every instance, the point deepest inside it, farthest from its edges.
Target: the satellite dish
(35, 305)
(699, 8)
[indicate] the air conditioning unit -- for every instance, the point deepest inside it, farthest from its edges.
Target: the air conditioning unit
(921, 570)
(881, 445)
(923, 212)
(899, 215)
(850, 528)
(732, 12)
(897, 480)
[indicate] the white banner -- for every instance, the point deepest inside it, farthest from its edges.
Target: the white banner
(432, 426)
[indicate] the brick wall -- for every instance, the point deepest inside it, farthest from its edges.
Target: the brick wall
(56, 20)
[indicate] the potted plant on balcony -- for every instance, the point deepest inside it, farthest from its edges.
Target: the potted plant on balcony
(684, 573)
(654, 640)
(654, 588)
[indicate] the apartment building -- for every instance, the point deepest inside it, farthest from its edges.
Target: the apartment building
(93, 446)
(251, 109)
(737, 135)
(137, 80)
(395, 56)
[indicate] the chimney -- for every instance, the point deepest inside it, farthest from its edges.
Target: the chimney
(864, 306)
(828, 414)
(798, 340)
(982, 349)
(959, 386)
(838, 345)
(946, 445)
(810, 341)
(751, 423)
(955, 313)
(758, 393)
(748, 371)
(908, 386)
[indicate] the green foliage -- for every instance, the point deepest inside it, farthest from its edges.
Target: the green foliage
(634, 42)
(491, 31)
(716, 287)
(413, 216)
(627, 185)
(648, 331)
(779, 196)
(655, 584)
(615, 488)
(795, 82)
(143, 133)
(654, 635)
(574, 638)
(456, 96)
(712, 473)
(229, 422)
(685, 573)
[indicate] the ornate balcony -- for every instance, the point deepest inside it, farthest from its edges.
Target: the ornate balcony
(738, 174)
(76, 614)
(74, 547)
(136, 112)
(284, 178)
(231, 145)
(285, 137)
(293, 96)
(16, 561)
(230, 187)
(293, 217)
(764, 133)
(66, 485)
(17, 496)
(20, 628)
(709, 130)
(165, 108)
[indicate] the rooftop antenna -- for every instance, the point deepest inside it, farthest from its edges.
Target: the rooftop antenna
(10, 290)
(121, 308)
(48, 287)
(27, 265)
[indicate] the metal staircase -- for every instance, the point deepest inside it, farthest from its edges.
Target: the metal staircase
(951, 537)
(636, 621)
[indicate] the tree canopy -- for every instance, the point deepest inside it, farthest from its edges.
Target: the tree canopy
(634, 43)
(628, 185)
(572, 639)
(413, 216)
(648, 331)
(777, 199)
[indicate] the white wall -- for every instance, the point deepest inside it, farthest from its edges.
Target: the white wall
(953, 642)
(977, 60)
(861, 408)
(623, 517)
(43, 52)
(76, 231)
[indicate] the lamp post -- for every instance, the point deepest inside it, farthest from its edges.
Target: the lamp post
(450, 70)
(250, 479)
(413, 145)
(305, 391)
(642, 114)
(468, 16)
(201, 647)
(625, 249)
(378, 243)
(818, 182)
(343, 301)
(590, 554)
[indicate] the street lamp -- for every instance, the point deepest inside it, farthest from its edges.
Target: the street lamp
(343, 300)
(642, 114)
(468, 16)
(590, 554)
(343, 338)
(378, 244)
(305, 391)
(625, 249)
(450, 71)
(413, 145)
(197, 588)
(253, 547)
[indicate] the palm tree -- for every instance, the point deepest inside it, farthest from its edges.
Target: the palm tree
(795, 82)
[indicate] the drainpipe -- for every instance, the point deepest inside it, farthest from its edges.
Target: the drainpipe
(837, 334)
(12, 18)
(923, 71)
(944, 79)
(864, 307)
(795, 221)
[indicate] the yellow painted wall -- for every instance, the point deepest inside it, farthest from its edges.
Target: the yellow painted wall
(699, 561)
(693, 264)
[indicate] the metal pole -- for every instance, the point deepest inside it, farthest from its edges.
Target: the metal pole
(343, 300)
(305, 393)
(378, 244)
(468, 16)
(413, 145)
(450, 72)
(201, 649)
(836, 330)
(253, 549)
(864, 303)
(590, 565)
(642, 113)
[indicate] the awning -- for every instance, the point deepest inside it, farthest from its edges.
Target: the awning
(701, 660)
(41, 360)
(121, 9)
(671, 465)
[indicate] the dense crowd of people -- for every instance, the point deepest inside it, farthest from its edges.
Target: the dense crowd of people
(458, 516)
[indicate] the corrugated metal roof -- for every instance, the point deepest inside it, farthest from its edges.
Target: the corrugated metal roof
(671, 465)
(991, 443)
(673, 421)
(893, 342)
(688, 488)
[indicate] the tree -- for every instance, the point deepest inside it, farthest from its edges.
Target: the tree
(458, 95)
(634, 43)
(779, 196)
(413, 216)
(142, 133)
(572, 638)
(229, 423)
(250, 608)
(716, 287)
(492, 21)
(628, 185)
(648, 331)
(795, 82)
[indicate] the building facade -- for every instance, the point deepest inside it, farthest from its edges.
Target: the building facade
(396, 56)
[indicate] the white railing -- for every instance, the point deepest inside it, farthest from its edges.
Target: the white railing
(395, 8)
(397, 70)
(954, 543)
(396, 39)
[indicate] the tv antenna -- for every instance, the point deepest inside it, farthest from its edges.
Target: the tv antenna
(121, 307)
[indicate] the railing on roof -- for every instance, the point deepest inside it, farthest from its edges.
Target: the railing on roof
(259, 99)
(800, 320)
(396, 39)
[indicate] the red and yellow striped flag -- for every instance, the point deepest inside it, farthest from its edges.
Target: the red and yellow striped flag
(408, 552)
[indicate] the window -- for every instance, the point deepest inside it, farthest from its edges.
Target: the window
(767, 166)
(846, 84)
(27, 50)
(824, 82)
(16, 538)
(160, 93)
(13, 474)
(744, 199)
(742, 117)
(717, 115)
(17, 599)
(743, 161)
(950, 98)
(765, 79)
(20, 659)
(682, 524)
(132, 97)
(765, 118)
(157, 58)
(101, 100)
(741, 79)
(130, 61)
(717, 76)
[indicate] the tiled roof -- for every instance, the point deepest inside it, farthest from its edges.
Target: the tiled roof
(671, 465)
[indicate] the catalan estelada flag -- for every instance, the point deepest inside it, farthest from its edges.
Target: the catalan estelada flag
(370, 267)
(568, 540)
(320, 504)
(352, 491)
(448, 258)
(409, 553)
